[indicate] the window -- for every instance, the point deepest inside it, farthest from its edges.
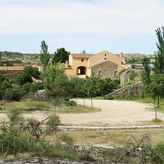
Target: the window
(105, 54)
(115, 73)
(99, 73)
(82, 60)
(104, 58)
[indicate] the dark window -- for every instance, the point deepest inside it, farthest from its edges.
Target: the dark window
(99, 73)
(82, 60)
(104, 58)
(105, 54)
(115, 73)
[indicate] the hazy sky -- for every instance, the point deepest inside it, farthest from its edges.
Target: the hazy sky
(91, 25)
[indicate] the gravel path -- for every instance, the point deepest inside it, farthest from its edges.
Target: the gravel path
(112, 112)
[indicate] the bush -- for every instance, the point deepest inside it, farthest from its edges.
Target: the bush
(32, 71)
(67, 139)
(158, 153)
(23, 78)
(14, 94)
(71, 103)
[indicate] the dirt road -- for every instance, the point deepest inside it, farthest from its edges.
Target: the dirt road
(113, 113)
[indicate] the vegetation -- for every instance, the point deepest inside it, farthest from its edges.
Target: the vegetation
(44, 55)
(60, 56)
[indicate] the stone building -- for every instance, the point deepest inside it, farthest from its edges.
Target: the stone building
(104, 64)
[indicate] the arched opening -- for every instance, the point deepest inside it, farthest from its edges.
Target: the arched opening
(81, 70)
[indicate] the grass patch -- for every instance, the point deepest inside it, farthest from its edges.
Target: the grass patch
(29, 105)
(76, 109)
(157, 120)
(113, 137)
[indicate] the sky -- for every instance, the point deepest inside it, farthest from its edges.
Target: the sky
(92, 25)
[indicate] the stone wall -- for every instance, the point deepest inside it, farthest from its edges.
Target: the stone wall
(107, 69)
(134, 90)
(125, 76)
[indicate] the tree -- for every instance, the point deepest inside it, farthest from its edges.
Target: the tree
(91, 87)
(44, 55)
(34, 72)
(146, 72)
(60, 56)
(156, 88)
(50, 74)
(159, 57)
(23, 78)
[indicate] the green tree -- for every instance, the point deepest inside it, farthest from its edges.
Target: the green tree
(32, 71)
(23, 78)
(91, 87)
(60, 56)
(156, 88)
(50, 74)
(146, 72)
(159, 57)
(44, 55)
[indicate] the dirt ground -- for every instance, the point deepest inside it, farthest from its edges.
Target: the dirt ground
(112, 112)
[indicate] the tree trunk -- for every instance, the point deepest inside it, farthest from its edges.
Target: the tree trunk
(158, 102)
(91, 103)
(155, 110)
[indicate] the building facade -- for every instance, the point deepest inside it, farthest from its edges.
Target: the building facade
(104, 64)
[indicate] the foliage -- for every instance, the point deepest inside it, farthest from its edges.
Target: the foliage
(60, 56)
(158, 153)
(71, 103)
(132, 75)
(23, 78)
(34, 72)
(159, 57)
(50, 74)
(146, 72)
(5, 83)
(123, 70)
(14, 94)
(66, 139)
(44, 55)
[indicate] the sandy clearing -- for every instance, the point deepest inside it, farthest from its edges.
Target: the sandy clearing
(112, 112)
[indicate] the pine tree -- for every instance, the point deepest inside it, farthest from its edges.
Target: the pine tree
(159, 57)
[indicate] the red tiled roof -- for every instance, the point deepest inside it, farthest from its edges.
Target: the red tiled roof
(20, 68)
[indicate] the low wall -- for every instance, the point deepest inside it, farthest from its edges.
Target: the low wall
(134, 90)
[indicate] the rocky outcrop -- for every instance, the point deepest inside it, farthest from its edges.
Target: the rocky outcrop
(134, 90)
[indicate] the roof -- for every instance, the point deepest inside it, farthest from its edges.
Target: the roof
(79, 56)
(102, 63)
(12, 68)
(19, 68)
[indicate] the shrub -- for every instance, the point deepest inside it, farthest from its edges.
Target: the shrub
(27, 86)
(32, 71)
(71, 103)
(23, 78)
(14, 94)
(67, 139)
(158, 153)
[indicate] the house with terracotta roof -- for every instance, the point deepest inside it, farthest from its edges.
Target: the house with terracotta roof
(104, 64)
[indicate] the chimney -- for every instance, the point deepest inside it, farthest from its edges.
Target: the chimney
(121, 54)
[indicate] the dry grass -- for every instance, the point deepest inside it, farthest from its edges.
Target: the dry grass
(113, 137)
(29, 106)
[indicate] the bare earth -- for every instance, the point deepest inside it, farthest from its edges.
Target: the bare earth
(112, 112)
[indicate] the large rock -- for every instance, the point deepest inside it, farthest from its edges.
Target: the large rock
(41, 94)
